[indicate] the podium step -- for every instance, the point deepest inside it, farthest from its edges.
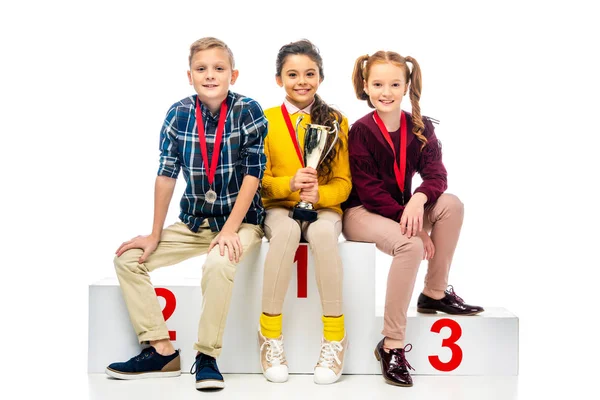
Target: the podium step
(486, 344)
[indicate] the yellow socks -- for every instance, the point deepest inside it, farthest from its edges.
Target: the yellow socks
(333, 328)
(270, 327)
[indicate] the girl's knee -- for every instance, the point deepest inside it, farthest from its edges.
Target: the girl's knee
(287, 228)
(411, 248)
(452, 203)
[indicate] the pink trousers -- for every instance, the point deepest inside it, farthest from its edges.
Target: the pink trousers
(443, 220)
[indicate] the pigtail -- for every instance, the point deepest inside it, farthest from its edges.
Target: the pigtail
(322, 114)
(358, 79)
(415, 96)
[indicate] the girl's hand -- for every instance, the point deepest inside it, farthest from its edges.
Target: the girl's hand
(303, 179)
(311, 195)
(411, 222)
(428, 246)
(147, 243)
(228, 239)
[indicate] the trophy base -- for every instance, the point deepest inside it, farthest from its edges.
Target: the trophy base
(303, 214)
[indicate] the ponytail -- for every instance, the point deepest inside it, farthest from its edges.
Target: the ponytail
(415, 96)
(322, 114)
(358, 79)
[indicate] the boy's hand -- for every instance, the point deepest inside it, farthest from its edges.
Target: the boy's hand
(303, 179)
(311, 194)
(228, 239)
(428, 246)
(147, 243)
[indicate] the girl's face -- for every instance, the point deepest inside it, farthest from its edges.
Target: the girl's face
(386, 86)
(300, 78)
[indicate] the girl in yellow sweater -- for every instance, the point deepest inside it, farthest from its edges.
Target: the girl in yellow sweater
(286, 181)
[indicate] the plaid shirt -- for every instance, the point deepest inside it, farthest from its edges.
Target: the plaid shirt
(242, 153)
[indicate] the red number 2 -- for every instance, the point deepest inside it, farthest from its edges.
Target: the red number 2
(301, 258)
(169, 306)
(457, 354)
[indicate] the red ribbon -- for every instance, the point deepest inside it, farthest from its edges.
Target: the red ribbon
(399, 172)
(288, 122)
(202, 139)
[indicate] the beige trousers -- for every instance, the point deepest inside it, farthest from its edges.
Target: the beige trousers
(178, 243)
(444, 220)
(284, 236)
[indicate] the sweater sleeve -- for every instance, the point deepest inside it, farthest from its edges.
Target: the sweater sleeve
(337, 189)
(366, 177)
(431, 168)
(274, 187)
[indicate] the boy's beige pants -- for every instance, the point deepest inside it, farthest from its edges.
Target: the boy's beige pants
(178, 243)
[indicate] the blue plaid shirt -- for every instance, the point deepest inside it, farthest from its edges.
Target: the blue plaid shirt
(242, 153)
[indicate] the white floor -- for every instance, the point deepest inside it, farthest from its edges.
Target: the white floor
(254, 386)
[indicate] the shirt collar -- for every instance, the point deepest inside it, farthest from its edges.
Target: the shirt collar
(206, 112)
(292, 109)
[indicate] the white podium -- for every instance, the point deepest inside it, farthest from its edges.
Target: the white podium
(486, 344)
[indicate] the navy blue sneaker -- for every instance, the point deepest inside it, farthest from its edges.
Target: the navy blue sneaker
(207, 373)
(148, 364)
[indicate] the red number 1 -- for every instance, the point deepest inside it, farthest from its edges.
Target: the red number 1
(301, 258)
(170, 304)
(457, 354)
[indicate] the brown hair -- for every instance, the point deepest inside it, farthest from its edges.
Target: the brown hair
(362, 67)
(210, 43)
(320, 113)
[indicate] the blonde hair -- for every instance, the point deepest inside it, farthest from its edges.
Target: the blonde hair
(210, 43)
(360, 75)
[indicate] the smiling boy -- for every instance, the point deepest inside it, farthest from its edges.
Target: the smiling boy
(216, 137)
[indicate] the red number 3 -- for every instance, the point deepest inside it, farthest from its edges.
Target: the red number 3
(457, 354)
(170, 304)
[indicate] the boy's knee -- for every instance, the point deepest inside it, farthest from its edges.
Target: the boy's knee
(128, 262)
(218, 267)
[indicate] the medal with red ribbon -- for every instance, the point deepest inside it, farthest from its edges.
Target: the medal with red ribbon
(288, 122)
(211, 196)
(399, 171)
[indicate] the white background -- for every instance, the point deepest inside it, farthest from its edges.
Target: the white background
(85, 86)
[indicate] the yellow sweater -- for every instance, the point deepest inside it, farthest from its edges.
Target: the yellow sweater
(282, 164)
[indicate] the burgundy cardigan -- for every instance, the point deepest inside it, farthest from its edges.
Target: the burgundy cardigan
(371, 164)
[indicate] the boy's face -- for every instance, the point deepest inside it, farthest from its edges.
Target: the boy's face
(211, 74)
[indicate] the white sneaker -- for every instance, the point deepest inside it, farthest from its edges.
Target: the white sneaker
(331, 361)
(272, 359)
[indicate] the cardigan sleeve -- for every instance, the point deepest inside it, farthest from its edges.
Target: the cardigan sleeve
(274, 187)
(366, 179)
(337, 189)
(431, 167)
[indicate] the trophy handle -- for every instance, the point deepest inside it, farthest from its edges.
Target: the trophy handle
(336, 129)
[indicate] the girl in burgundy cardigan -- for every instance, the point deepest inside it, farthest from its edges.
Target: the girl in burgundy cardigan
(386, 148)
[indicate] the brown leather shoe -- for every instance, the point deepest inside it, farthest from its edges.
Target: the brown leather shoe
(451, 304)
(394, 366)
